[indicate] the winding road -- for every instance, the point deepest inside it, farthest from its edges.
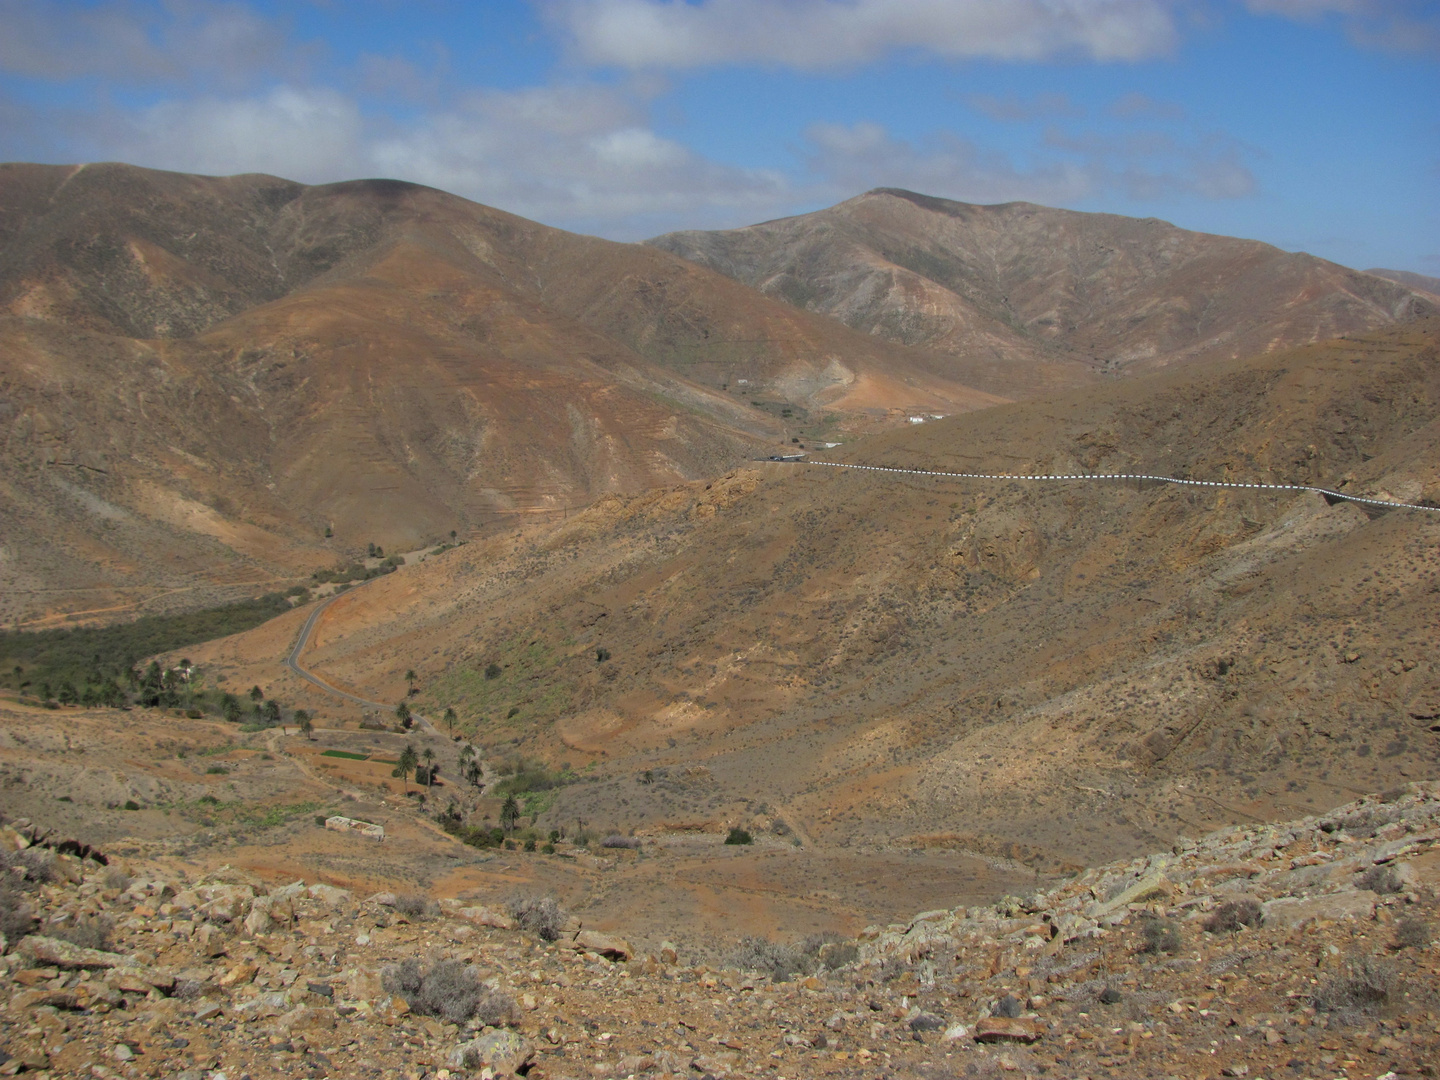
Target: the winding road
(292, 661)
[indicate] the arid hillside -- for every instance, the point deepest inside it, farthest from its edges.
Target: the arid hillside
(1027, 298)
(1058, 673)
(1421, 283)
(199, 376)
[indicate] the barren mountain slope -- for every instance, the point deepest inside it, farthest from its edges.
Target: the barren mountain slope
(199, 375)
(1064, 673)
(1421, 283)
(1047, 297)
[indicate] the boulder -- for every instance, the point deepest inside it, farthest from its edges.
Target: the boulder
(41, 950)
(329, 895)
(363, 984)
(1156, 884)
(503, 1052)
(612, 948)
(1289, 911)
(481, 915)
(1007, 1029)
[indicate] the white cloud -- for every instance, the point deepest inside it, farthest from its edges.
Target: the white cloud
(583, 156)
(1016, 110)
(213, 42)
(1388, 25)
(309, 135)
(852, 158)
(1068, 169)
(1135, 105)
(820, 34)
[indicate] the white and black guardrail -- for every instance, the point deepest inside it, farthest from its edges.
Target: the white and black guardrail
(1330, 496)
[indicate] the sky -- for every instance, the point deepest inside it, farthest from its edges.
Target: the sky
(1313, 125)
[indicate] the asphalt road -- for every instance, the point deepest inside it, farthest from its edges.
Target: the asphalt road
(303, 639)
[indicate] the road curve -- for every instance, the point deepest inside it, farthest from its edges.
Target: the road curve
(292, 661)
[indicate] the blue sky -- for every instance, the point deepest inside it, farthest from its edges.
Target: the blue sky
(1310, 124)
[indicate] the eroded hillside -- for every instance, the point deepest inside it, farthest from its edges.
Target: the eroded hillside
(200, 376)
(1028, 298)
(1058, 674)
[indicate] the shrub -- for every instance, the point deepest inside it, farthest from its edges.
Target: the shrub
(547, 849)
(782, 961)
(1230, 916)
(1381, 879)
(779, 961)
(1362, 987)
(1413, 933)
(17, 918)
(739, 836)
(131, 804)
(493, 671)
(448, 989)
(1160, 935)
(614, 840)
(530, 844)
(86, 933)
(540, 915)
(217, 770)
(838, 954)
(415, 905)
(39, 865)
(115, 878)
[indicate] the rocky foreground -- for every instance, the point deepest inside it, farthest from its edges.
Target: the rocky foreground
(1306, 949)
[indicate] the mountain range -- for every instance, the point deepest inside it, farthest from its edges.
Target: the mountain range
(214, 385)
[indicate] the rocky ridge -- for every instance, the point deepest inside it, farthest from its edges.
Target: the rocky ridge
(1298, 949)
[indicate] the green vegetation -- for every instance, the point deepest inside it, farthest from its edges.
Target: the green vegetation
(212, 811)
(353, 572)
(524, 681)
(739, 836)
(346, 754)
(95, 665)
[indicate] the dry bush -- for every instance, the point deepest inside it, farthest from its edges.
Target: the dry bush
(1160, 935)
(38, 864)
(415, 905)
(17, 918)
(115, 878)
(540, 915)
(1362, 987)
(86, 933)
(1381, 879)
(449, 990)
(781, 961)
(1413, 933)
(770, 958)
(1230, 916)
(617, 841)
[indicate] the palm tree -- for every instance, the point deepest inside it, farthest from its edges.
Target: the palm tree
(509, 813)
(303, 719)
(429, 757)
(402, 713)
(473, 772)
(450, 720)
(408, 761)
(410, 678)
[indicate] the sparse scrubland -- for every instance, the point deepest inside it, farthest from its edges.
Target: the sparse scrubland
(692, 765)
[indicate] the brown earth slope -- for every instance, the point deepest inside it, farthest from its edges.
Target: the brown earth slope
(199, 375)
(1027, 298)
(1058, 673)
